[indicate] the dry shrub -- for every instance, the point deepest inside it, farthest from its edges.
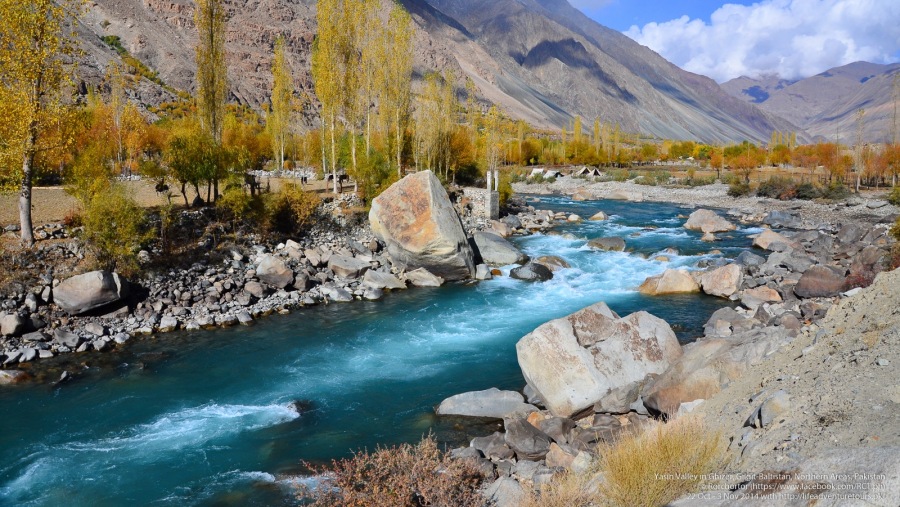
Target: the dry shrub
(566, 490)
(292, 209)
(660, 465)
(403, 476)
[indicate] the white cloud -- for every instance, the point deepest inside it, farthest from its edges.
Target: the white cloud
(791, 38)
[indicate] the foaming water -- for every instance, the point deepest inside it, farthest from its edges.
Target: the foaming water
(207, 417)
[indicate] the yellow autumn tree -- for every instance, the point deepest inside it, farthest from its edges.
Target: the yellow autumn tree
(279, 118)
(212, 76)
(35, 88)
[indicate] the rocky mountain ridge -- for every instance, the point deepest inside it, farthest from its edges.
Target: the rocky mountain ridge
(541, 60)
(826, 105)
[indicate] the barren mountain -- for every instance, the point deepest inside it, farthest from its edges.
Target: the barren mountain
(540, 60)
(826, 104)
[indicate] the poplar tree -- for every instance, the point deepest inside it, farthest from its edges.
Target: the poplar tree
(279, 118)
(34, 82)
(327, 77)
(396, 80)
(212, 86)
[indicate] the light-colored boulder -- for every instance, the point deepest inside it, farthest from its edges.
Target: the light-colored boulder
(12, 324)
(416, 221)
(273, 271)
(345, 266)
(671, 281)
(752, 298)
(82, 293)
(483, 272)
(488, 403)
(599, 216)
(501, 228)
(626, 195)
(496, 251)
(552, 262)
(582, 195)
(594, 357)
(423, 278)
(769, 237)
(820, 281)
(613, 244)
(723, 281)
(707, 365)
(708, 221)
(378, 280)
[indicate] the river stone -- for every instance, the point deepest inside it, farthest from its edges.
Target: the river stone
(345, 266)
(168, 324)
(415, 219)
(598, 216)
(66, 338)
(708, 221)
(783, 219)
(273, 271)
(747, 258)
(483, 272)
(423, 278)
(528, 442)
(488, 403)
(505, 492)
(12, 324)
(35, 336)
(820, 281)
(752, 298)
(255, 289)
(768, 239)
(613, 244)
(336, 294)
(492, 446)
(671, 281)
(8, 377)
(552, 262)
(722, 282)
(532, 272)
(82, 293)
(595, 357)
(626, 195)
(379, 280)
(244, 318)
(496, 251)
(373, 294)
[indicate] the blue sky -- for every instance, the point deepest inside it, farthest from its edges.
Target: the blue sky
(790, 38)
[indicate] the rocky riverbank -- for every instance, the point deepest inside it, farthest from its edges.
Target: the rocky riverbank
(46, 314)
(592, 375)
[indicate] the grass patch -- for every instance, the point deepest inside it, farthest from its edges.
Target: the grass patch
(649, 469)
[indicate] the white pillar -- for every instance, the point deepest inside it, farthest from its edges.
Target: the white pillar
(489, 174)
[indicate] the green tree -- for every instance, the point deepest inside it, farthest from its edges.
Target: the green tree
(35, 78)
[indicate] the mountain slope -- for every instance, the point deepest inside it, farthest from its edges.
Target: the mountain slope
(540, 60)
(826, 105)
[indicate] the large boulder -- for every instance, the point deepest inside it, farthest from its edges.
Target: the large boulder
(12, 324)
(423, 278)
(722, 282)
(552, 262)
(488, 403)
(708, 221)
(595, 357)
(820, 282)
(671, 281)
(415, 219)
(708, 365)
(82, 293)
(496, 251)
(273, 271)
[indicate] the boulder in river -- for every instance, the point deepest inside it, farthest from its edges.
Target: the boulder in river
(671, 281)
(82, 293)
(532, 272)
(423, 278)
(415, 219)
(614, 244)
(708, 221)
(595, 357)
(488, 403)
(496, 251)
(552, 262)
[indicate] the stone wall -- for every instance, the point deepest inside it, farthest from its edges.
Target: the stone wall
(485, 203)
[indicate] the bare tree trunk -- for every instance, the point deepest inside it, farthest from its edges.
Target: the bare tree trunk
(27, 232)
(184, 193)
(334, 181)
